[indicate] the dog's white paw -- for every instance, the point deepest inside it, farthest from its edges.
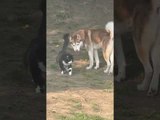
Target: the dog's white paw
(152, 92)
(106, 71)
(153, 89)
(141, 87)
(110, 73)
(89, 67)
(96, 67)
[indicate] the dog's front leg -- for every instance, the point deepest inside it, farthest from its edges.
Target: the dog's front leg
(155, 56)
(91, 60)
(119, 52)
(96, 59)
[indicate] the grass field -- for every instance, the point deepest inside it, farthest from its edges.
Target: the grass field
(87, 94)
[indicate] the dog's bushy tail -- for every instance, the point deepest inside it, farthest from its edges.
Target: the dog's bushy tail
(65, 45)
(110, 28)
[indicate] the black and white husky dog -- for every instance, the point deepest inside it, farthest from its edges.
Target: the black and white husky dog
(65, 59)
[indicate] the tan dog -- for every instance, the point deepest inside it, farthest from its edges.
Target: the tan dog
(94, 39)
(143, 16)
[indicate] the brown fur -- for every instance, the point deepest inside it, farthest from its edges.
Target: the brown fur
(94, 39)
(98, 36)
(144, 20)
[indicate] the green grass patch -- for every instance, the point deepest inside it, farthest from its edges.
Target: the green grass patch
(96, 107)
(81, 116)
(76, 104)
(54, 66)
(62, 15)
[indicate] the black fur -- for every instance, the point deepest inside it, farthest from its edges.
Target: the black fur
(64, 58)
(36, 54)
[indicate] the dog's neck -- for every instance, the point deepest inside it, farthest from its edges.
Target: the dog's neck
(86, 39)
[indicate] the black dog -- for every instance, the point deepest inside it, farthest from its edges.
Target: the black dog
(65, 59)
(36, 54)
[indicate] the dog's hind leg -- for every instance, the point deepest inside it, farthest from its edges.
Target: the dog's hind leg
(106, 57)
(143, 51)
(96, 59)
(109, 60)
(147, 76)
(107, 52)
(144, 43)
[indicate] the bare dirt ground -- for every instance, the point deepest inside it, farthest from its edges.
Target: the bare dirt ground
(86, 92)
(18, 100)
(129, 103)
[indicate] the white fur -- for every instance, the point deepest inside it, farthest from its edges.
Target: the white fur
(62, 72)
(110, 28)
(66, 64)
(110, 62)
(77, 46)
(91, 60)
(96, 59)
(70, 73)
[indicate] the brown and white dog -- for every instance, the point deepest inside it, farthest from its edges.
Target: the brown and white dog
(143, 16)
(94, 39)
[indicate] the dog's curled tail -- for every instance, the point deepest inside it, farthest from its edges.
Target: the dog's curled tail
(110, 28)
